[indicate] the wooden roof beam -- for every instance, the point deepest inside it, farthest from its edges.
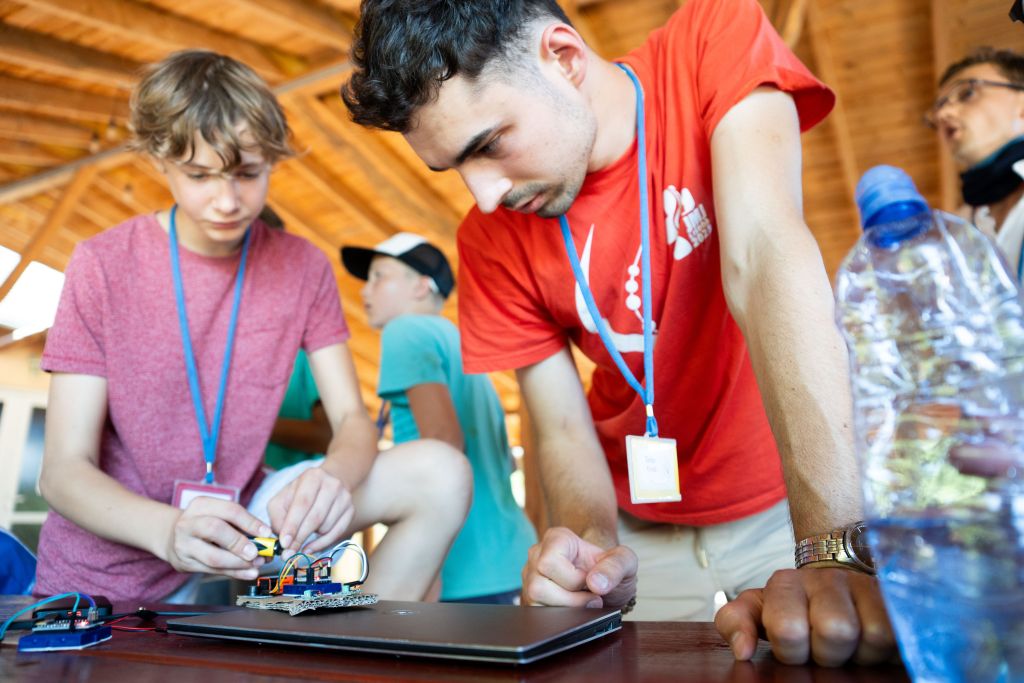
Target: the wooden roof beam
(791, 25)
(583, 24)
(111, 158)
(52, 100)
(57, 217)
(350, 7)
(340, 194)
(63, 59)
(27, 154)
(130, 20)
(384, 167)
(47, 180)
(826, 69)
(130, 200)
(318, 23)
(43, 130)
(942, 55)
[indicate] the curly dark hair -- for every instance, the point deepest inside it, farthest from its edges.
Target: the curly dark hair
(405, 49)
(1009, 63)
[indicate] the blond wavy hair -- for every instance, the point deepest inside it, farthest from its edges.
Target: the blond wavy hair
(212, 94)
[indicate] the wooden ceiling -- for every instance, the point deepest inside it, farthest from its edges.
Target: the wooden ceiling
(67, 67)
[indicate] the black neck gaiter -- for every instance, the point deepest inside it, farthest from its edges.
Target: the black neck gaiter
(994, 178)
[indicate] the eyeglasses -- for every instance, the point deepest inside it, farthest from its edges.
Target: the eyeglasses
(244, 174)
(963, 92)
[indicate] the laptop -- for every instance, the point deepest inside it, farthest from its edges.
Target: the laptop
(464, 631)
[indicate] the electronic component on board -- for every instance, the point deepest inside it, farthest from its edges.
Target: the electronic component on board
(70, 629)
(302, 587)
(266, 546)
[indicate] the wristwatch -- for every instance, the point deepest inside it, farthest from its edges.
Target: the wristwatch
(847, 546)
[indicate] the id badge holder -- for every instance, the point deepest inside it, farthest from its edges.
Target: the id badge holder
(653, 470)
(187, 491)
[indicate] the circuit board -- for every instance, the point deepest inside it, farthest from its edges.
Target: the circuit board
(297, 604)
(297, 588)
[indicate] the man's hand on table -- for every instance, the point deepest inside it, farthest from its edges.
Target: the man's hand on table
(566, 570)
(827, 614)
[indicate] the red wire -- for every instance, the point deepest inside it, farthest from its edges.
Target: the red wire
(114, 625)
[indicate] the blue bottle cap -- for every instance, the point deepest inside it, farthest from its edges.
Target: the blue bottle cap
(883, 187)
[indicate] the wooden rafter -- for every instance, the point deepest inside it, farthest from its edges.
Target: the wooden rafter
(317, 80)
(54, 177)
(340, 194)
(384, 168)
(52, 100)
(44, 53)
(949, 187)
(825, 63)
(316, 22)
(165, 31)
(791, 25)
(129, 200)
(27, 154)
(44, 130)
(583, 25)
(350, 7)
(99, 217)
(57, 217)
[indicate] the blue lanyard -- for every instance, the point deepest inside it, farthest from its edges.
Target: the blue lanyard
(646, 391)
(1020, 264)
(209, 436)
(383, 417)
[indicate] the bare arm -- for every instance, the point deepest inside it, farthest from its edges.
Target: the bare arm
(435, 414)
(319, 500)
(72, 482)
(579, 561)
(309, 436)
(208, 537)
(779, 294)
(577, 483)
(353, 447)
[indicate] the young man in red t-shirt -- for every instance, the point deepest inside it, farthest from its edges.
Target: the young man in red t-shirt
(541, 128)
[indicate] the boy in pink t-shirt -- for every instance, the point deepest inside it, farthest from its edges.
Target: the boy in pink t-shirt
(170, 354)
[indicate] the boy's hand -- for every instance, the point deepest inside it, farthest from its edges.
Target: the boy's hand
(209, 536)
(316, 502)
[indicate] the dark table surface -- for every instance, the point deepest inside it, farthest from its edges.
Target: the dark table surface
(641, 651)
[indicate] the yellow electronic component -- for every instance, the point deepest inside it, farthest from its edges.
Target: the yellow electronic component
(266, 546)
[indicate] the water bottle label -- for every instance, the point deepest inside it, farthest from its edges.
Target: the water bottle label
(653, 470)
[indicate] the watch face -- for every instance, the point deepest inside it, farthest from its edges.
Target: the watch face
(856, 541)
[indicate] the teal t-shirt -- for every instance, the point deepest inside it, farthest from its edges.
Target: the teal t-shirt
(299, 399)
(488, 555)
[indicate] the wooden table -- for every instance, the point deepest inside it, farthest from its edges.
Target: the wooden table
(641, 651)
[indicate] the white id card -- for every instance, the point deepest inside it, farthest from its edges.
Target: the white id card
(653, 470)
(187, 491)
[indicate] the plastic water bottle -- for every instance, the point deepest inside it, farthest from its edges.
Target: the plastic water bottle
(934, 325)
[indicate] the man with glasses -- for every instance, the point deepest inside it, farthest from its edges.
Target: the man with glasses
(979, 115)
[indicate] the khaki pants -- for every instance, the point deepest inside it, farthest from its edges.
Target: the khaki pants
(682, 567)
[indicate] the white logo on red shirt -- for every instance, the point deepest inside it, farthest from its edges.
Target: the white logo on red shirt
(680, 205)
(625, 343)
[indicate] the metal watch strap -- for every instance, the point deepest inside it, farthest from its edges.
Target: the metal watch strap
(820, 548)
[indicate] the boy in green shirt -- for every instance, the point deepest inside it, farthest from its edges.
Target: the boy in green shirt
(301, 430)
(407, 282)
